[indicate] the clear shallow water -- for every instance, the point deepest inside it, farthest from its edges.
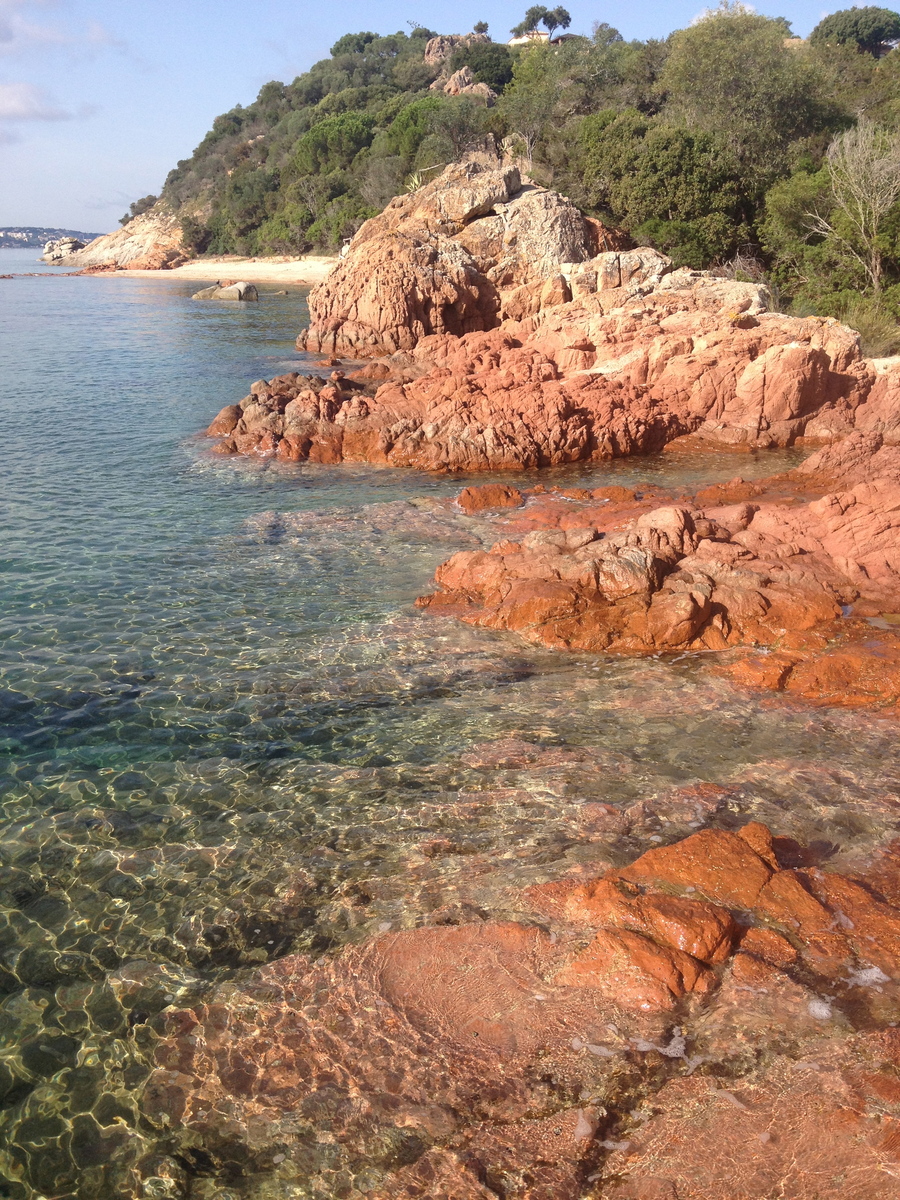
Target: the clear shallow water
(228, 735)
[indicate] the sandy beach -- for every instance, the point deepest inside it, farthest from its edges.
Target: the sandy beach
(308, 270)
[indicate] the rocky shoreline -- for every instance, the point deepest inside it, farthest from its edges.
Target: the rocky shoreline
(711, 1019)
(618, 355)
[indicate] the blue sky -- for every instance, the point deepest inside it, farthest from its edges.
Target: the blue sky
(100, 98)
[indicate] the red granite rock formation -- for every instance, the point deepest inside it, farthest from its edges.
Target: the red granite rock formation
(777, 571)
(441, 260)
(537, 1060)
(626, 368)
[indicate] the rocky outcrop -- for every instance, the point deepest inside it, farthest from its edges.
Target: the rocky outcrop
(617, 355)
(463, 83)
(150, 242)
(241, 290)
(625, 576)
(442, 260)
(716, 1013)
(59, 249)
(439, 49)
(881, 412)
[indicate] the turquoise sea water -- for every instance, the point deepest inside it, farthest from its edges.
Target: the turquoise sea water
(226, 732)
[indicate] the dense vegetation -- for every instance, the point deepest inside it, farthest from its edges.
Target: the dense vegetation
(730, 143)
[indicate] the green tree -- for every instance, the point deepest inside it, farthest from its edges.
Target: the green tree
(488, 62)
(527, 103)
(411, 127)
(195, 235)
(480, 27)
(333, 144)
(669, 186)
(555, 18)
(137, 207)
(459, 125)
(533, 17)
(863, 167)
(872, 30)
(352, 43)
(730, 74)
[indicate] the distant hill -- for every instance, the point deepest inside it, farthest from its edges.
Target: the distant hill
(33, 237)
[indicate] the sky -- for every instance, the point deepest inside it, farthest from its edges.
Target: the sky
(99, 99)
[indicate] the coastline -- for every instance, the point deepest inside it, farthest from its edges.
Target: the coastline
(414, 900)
(307, 271)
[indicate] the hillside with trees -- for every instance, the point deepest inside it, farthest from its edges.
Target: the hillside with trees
(730, 144)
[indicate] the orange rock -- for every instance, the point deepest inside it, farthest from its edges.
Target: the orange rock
(793, 1130)
(760, 839)
(867, 922)
(226, 421)
(701, 930)
(769, 946)
(635, 972)
(489, 495)
(721, 866)
(750, 971)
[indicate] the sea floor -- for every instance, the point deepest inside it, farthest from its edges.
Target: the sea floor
(228, 735)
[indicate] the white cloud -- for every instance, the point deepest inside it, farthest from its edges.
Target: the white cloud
(22, 30)
(18, 30)
(25, 102)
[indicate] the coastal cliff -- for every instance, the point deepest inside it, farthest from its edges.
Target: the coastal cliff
(151, 241)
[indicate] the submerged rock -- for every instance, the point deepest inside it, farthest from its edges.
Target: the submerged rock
(428, 1061)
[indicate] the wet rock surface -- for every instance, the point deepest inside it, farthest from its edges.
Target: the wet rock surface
(774, 564)
(688, 1024)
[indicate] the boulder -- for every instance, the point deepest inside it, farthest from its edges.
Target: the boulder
(462, 83)
(59, 249)
(614, 371)
(708, 574)
(440, 259)
(435, 1061)
(439, 49)
(242, 290)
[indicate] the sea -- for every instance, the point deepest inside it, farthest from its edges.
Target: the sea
(217, 696)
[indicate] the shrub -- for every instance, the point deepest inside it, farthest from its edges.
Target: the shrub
(489, 63)
(879, 332)
(138, 207)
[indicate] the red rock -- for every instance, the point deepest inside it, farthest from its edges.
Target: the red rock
(584, 380)
(437, 260)
(719, 865)
(701, 930)
(792, 1131)
(635, 972)
(446, 1058)
(226, 421)
(880, 414)
(769, 946)
(489, 495)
